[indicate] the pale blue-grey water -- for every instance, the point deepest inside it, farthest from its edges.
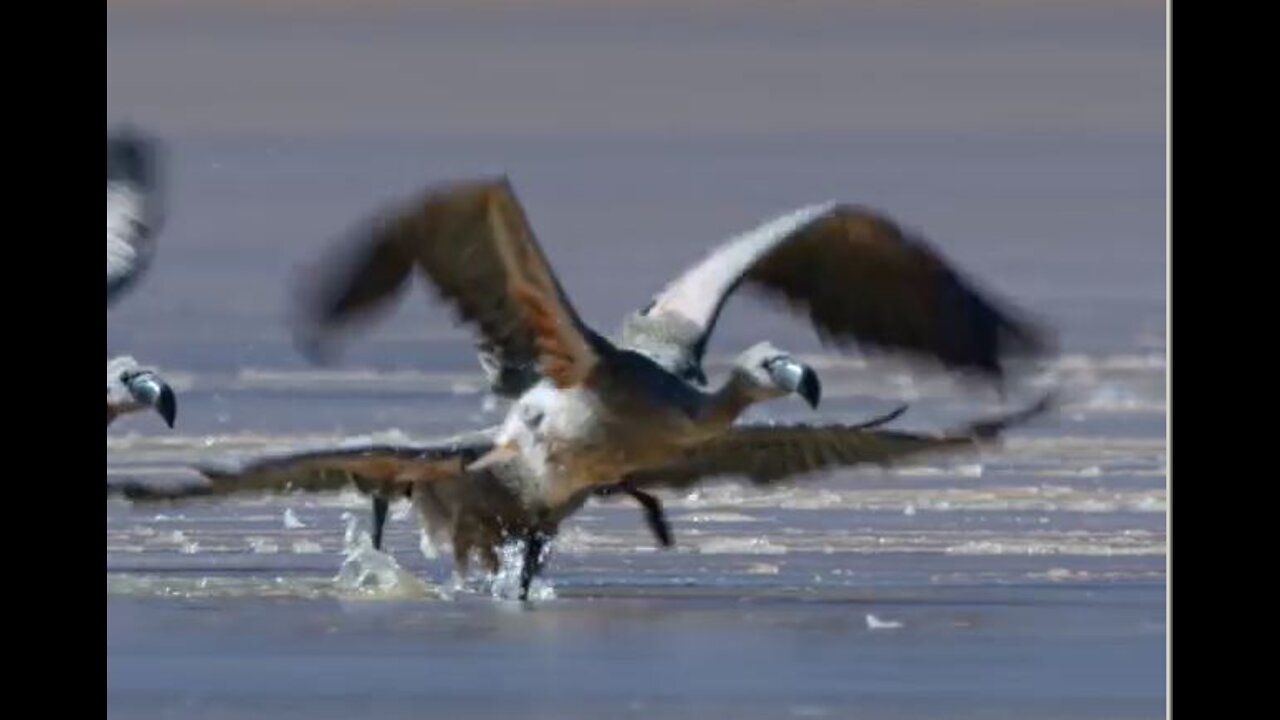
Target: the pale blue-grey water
(1027, 141)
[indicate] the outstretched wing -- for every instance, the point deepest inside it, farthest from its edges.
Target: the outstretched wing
(388, 466)
(133, 215)
(768, 454)
(474, 243)
(859, 277)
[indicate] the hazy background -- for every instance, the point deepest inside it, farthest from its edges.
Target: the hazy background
(1025, 139)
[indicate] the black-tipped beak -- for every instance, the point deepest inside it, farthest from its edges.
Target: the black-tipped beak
(797, 378)
(700, 376)
(150, 389)
(167, 405)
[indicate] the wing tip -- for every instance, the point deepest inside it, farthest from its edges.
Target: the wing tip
(133, 155)
(217, 469)
(992, 428)
(490, 190)
(139, 492)
(315, 345)
(882, 420)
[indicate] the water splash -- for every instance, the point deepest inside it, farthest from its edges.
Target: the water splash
(505, 585)
(369, 573)
(426, 546)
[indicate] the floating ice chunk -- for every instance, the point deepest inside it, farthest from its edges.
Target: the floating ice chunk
(263, 546)
(718, 517)
(741, 546)
(875, 623)
(307, 547)
(291, 520)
